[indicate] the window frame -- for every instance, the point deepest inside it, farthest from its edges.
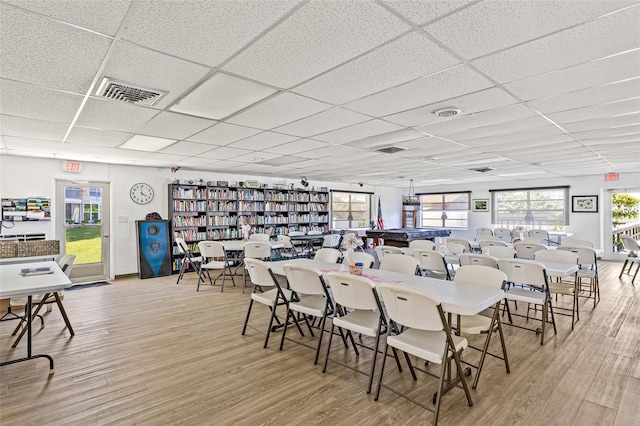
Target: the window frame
(446, 221)
(368, 216)
(548, 224)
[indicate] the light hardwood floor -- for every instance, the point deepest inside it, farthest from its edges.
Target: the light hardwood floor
(150, 352)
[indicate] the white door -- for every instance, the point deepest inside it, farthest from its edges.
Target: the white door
(621, 218)
(82, 226)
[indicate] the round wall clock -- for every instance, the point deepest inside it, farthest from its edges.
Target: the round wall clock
(141, 193)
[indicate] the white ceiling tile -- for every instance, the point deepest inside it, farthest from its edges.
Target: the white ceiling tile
(68, 60)
(325, 121)
(513, 137)
(114, 115)
(263, 141)
(278, 110)
(472, 121)
(420, 12)
(29, 101)
(295, 147)
(386, 139)
(513, 126)
(221, 96)
(29, 128)
(174, 126)
(159, 160)
(124, 155)
(224, 153)
(97, 137)
(358, 131)
(317, 37)
(222, 27)
(619, 123)
(509, 23)
(101, 16)
(402, 60)
(474, 102)
(448, 84)
(249, 168)
(592, 96)
(194, 162)
(139, 67)
(186, 148)
(218, 165)
(256, 157)
(73, 151)
(608, 133)
(223, 134)
(607, 36)
(334, 150)
(597, 111)
(594, 73)
(35, 145)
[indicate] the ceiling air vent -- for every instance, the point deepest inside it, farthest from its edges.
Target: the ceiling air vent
(483, 169)
(391, 149)
(447, 112)
(125, 92)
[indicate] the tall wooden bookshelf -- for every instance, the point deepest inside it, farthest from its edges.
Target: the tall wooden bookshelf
(205, 212)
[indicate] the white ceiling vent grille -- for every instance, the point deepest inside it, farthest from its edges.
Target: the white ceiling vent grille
(447, 112)
(391, 149)
(125, 92)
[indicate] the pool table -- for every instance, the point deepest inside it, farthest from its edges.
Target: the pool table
(401, 237)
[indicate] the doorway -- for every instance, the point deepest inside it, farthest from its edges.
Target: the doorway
(623, 219)
(82, 224)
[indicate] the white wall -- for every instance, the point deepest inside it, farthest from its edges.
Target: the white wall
(27, 177)
(588, 226)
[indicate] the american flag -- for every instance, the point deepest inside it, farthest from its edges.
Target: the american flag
(380, 219)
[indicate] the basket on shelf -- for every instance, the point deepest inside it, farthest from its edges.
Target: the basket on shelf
(8, 249)
(38, 248)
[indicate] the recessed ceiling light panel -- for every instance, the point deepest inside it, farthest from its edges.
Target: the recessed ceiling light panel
(146, 143)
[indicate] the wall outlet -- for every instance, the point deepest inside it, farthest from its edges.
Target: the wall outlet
(123, 219)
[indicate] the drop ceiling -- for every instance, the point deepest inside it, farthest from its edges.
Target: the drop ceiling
(288, 88)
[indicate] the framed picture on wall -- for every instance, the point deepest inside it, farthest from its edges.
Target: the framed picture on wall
(584, 204)
(480, 205)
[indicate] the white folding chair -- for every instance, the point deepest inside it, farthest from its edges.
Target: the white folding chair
(331, 241)
(267, 291)
(363, 257)
(482, 232)
(214, 257)
(588, 261)
(464, 243)
(310, 298)
(571, 242)
(433, 264)
(254, 250)
(477, 259)
(541, 235)
(529, 284)
(259, 237)
(329, 255)
(503, 234)
(527, 250)
(633, 249)
(499, 252)
(400, 263)
(188, 259)
(418, 327)
(557, 285)
(358, 310)
(479, 324)
(422, 244)
(383, 250)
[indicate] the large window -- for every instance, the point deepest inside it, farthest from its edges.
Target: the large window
(449, 210)
(350, 210)
(545, 208)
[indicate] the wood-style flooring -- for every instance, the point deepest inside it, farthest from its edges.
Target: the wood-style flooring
(150, 352)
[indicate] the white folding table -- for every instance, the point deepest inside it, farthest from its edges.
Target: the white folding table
(14, 284)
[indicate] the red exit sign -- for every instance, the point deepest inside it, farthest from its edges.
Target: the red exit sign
(72, 166)
(611, 176)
